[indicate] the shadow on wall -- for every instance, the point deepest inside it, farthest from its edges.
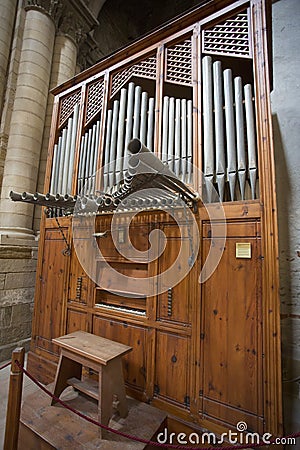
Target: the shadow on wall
(121, 22)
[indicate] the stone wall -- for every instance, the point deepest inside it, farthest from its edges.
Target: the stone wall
(17, 280)
(286, 121)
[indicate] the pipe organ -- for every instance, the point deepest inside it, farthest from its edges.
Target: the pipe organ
(190, 103)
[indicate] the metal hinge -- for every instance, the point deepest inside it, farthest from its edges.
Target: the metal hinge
(187, 401)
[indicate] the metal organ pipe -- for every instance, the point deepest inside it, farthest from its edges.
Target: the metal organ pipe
(54, 168)
(137, 110)
(150, 130)
(165, 128)
(120, 136)
(72, 150)
(107, 149)
(133, 117)
(189, 141)
(171, 132)
(230, 132)
(250, 127)
(63, 156)
(240, 136)
(143, 126)
(95, 155)
(208, 145)
(219, 128)
(129, 114)
(183, 139)
(225, 147)
(177, 136)
(67, 156)
(113, 143)
(62, 159)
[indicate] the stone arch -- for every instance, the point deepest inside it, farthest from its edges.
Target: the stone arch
(121, 22)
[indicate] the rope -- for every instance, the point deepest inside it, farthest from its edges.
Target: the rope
(135, 438)
(5, 365)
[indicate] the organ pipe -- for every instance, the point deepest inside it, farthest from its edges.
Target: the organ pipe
(219, 128)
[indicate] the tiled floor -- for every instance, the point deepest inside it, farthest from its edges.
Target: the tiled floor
(4, 384)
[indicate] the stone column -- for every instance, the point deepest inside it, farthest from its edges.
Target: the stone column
(27, 121)
(7, 14)
(63, 68)
(73, 33)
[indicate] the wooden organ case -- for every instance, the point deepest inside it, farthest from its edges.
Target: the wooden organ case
(196, 93)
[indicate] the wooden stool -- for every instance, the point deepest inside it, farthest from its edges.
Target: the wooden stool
(102, 355)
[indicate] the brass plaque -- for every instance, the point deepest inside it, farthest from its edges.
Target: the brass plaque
(243, 250)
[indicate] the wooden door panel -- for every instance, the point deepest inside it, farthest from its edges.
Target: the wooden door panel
(78, 280)
(172, 368)
(174, 302)
(231, 324)
(76, 321)
(52, 290)
(134, 364)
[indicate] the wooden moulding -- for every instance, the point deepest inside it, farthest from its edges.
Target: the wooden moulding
(270, 279)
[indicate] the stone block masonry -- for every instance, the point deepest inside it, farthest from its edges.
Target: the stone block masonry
(17, 281)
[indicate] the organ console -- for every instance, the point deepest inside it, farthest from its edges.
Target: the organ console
(179, 119)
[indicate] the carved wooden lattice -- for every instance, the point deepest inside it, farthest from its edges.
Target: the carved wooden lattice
(179, 63)
(144, 69)
(67, 106)
(228, 38)
(94, 100)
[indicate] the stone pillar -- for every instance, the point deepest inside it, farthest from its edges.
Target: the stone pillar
(27, 121)
(73, 33)
(63, 68)
(7, 14)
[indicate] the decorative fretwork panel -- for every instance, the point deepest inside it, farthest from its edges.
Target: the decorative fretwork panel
(67, 106)
(228, 38)
(94, 100)
(144, 69)
(179, 63)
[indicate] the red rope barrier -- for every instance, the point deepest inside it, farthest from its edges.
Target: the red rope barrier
(5, 365)
(137, 439)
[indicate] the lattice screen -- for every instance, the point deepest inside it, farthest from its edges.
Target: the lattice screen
(94, 100)
(179, 63)
(144, 69)
(67, 106)
(228, 38)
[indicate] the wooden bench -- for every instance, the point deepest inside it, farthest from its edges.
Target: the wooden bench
(80, 349)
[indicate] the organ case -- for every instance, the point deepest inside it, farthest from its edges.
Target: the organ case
(196, 93)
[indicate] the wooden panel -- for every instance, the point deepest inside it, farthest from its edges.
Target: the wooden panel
(227, 415)
(172, 368)
(137, 240)
(109, 278)
(76, 320)
(231, 333)
(78, 280)
(174, 302)
(52, 289)
(233, 229)
(134, 364)
(42, 368)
